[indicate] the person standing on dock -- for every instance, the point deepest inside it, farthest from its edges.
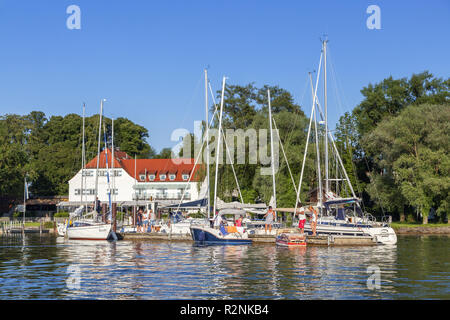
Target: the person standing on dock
(139, 221)
(301, 217)
(270, 216)
(313, 220)
(145, 221)
(152, 220)
(97, 205)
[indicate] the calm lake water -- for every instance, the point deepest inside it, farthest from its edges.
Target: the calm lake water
(39, 268)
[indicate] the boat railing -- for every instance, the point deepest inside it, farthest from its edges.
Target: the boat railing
(386, 220)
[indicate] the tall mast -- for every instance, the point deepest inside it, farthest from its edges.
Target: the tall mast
(83, 164)
(207, 143)
(307, 139)
(113, 180)
(327, 185)
(319, 174)
(98, 149)
(135, 188)
(271, 153)
(25, 197)
(218, 144)
(107, 169)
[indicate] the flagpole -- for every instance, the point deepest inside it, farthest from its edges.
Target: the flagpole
(24, 199)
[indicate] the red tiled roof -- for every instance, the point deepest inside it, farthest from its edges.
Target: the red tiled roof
(119, 156)
(152, 166)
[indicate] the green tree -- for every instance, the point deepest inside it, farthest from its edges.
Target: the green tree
(413, 151)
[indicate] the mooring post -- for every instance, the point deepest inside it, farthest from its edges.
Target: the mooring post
(114, 215)
(104, 209)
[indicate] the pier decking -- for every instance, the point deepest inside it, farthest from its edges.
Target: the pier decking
(153, 236)
(17, 228)
(310, 240)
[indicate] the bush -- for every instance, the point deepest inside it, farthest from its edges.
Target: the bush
(119, 215)
(48, 225)
(61, 214)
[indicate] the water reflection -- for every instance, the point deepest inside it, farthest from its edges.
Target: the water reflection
(36, 267)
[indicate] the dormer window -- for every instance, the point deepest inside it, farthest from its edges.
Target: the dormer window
(151, 177)
(172, 177)
(162, 177)
(142, 177)
(185, 177)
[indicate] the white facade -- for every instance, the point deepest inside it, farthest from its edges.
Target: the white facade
(125, 188)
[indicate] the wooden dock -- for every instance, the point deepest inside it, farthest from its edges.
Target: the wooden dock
(340, 241)
(261, 238)
(153, 236)
(17, 228)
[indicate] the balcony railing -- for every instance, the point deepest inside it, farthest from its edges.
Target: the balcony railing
(161, 197)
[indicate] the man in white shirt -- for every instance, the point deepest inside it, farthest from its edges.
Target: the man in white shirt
(217, 221)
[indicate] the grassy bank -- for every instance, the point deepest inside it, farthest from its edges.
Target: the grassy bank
(397, 225)
(421, 229)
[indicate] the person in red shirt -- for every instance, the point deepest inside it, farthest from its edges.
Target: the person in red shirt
(239, 222)
(301, 217)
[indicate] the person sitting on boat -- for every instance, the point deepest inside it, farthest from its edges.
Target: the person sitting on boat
(239, 222)
(270, 216)
(217, 220)
(301, 217)
(145, 221)
(313, 220)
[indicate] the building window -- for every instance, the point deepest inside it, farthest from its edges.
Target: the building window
(151, 177)
(87, 192)
(114, 192)
(88, 173)
(185, 177)
(171, 176)
(117, 173)
(142, 177)
(162, 177)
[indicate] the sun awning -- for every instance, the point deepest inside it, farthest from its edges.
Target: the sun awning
(191, 204)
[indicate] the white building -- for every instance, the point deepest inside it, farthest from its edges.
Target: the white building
(162, 180)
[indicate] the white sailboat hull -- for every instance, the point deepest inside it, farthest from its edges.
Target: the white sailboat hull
(92, 232)
(382, 235)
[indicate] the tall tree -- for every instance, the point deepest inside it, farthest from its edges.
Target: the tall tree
(413, 150)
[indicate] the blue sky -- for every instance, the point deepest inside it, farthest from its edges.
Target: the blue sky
(147, 57)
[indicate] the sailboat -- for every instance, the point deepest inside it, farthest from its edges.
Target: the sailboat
(221, 233)
(87, 226)
(178, 225)
(337, 215)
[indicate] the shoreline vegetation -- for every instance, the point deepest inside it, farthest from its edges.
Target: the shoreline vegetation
(394, 145)
(406, 228)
